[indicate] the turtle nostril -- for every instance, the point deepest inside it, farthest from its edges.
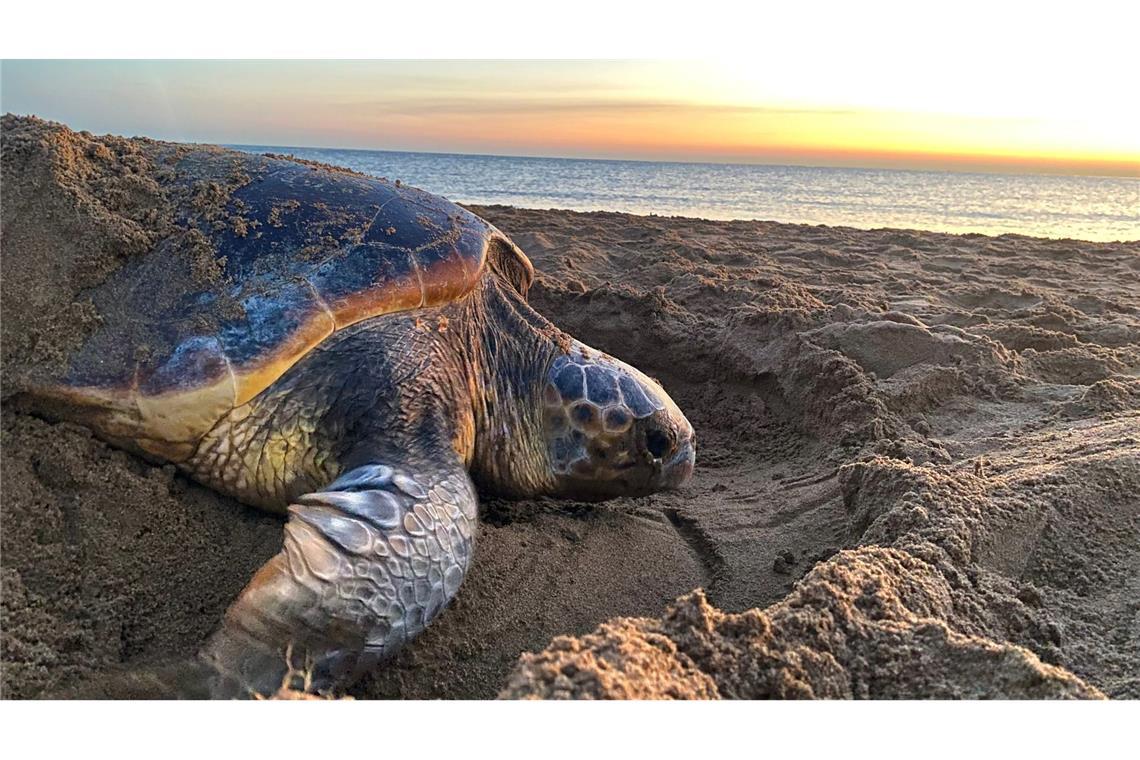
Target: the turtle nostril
(657, 443)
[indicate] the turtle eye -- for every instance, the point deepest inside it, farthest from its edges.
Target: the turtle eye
(657, 443)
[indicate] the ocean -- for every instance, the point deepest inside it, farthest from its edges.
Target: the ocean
(1085, 208)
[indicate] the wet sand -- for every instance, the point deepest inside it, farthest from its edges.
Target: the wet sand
(917, 476)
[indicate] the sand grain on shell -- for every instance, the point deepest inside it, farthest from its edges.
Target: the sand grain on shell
(76, 208)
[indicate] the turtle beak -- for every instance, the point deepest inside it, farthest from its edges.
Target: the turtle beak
(669, 446)
(679, 468)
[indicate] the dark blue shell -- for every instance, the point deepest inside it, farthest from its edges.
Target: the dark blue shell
(291, 252)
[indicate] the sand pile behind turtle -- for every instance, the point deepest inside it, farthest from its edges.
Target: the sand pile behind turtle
(73, 207)
(113, 247)
(76, 208)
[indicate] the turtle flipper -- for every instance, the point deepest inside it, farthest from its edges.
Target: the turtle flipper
(367, 563)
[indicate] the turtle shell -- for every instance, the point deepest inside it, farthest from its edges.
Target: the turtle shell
(271, 257)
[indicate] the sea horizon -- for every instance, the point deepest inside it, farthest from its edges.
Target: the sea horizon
(254, 147)
(1099, 208)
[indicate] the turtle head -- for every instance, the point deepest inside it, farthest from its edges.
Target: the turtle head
(611, 430)
(594, 428)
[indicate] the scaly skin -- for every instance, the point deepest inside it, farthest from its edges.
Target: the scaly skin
(370, 387)
(375, 441)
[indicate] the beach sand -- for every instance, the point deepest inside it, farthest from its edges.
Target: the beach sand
(917, 476)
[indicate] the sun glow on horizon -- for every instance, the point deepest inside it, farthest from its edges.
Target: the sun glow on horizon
(965, 116)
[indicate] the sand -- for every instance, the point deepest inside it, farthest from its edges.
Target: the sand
(956, 416)
(917, 476)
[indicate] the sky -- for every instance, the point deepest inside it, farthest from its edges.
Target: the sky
(1031, 110)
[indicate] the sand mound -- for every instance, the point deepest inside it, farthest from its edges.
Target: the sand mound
(867, 624)
(64, 189)
(76, 209)
(917, 470)
(105, 239)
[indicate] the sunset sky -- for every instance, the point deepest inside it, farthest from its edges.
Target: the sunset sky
(1039, 112)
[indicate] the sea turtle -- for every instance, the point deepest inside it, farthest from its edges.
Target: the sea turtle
(361, 355)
